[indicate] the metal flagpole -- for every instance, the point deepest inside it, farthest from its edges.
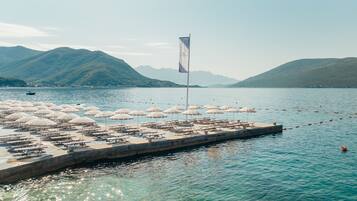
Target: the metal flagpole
(188, 72)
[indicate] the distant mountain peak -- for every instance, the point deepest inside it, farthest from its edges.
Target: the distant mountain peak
(200, 77)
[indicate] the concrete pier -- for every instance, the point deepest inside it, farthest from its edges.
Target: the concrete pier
(16, 171)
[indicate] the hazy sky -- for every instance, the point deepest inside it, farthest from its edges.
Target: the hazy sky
(234, 38)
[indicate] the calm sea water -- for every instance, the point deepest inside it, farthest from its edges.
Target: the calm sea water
(300, 164)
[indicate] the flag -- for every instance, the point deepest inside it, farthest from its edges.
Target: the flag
(184, 54)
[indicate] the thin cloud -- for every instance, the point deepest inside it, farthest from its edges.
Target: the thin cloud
(20, 31)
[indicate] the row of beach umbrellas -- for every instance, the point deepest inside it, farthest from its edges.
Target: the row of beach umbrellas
(47, 112)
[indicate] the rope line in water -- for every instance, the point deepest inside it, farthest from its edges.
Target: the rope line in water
(319, 123)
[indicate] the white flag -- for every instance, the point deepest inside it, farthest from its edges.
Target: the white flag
(184, 54)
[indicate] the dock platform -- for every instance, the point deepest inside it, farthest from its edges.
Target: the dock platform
(55, 159)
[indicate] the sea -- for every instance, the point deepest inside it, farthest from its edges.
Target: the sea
(304, 162)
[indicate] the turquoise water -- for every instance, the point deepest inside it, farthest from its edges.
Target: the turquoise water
(300, 164)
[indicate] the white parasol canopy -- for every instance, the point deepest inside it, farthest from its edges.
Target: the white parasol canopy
(92, 112)
(122, 111)
(30, 109)
(172, 111)
(214, 111)
(54, 115)
(121, 117)
(25, 119)
(191, 112)
(67, 117)
(82, 121)
(16, 116)
(43, 111)
(154, 109)
(210, 107)
(224, 107)
(40, 122)
(193, 107)
(137, 113)
(232, 110)
(69, 109)
(156, 115)
(104, 114)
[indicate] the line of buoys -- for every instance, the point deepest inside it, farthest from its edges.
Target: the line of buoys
(315, 123)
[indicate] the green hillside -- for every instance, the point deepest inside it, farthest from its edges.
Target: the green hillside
(8, 82)
(77, 67)
(10, 54)
(313, 73)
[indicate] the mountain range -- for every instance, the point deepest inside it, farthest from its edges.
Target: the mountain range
(201, 78)
(71, 67)
(308, 73)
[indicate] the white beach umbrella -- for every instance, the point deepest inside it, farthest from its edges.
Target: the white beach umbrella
(172, 111)
(224, 107)
(232, 110)
(177, 107)
(191, 112)
(137, 113)
(55, 108)
(82, 121)
(194, 107)
(25, 119)
(104, 114)
(42, 107)
(92, 112)
(16, 116)
(43, 112)
(246, 109)
(67, 117)
(210, 107)
(121, 117)
(154, 109)
(69, 110)
(40, 122)
(214, 111)
(49, 104)
(30, 109)
(38, 103)
(15, 109)
(91, 108)
(122, 111)
(54, 115)
(4, 107)
(156, 115)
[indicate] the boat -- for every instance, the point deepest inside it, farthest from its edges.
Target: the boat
(30, 93)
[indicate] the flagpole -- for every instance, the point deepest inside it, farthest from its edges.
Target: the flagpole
(188, 72)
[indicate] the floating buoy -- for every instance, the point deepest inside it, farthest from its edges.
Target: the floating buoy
(343, 148)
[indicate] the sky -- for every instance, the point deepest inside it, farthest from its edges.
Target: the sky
(230, 37)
